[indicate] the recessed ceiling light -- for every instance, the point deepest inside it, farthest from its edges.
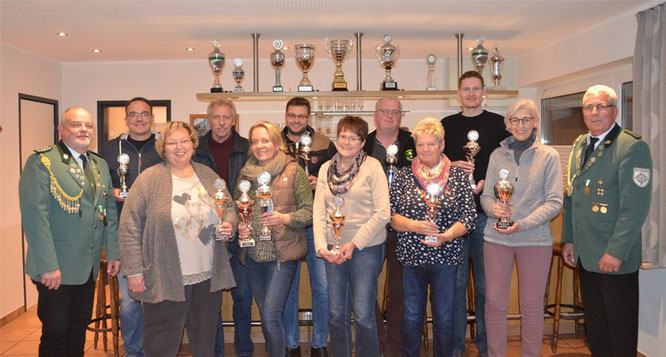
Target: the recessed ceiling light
(97, 50)
(190, 49)
(62, 34)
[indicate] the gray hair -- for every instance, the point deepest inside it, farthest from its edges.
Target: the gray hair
(520, 104)
(601, 89)
(220, 102)
(391, 99)
(63, 117)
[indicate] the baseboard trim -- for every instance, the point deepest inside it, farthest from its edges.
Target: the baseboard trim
(12, 316)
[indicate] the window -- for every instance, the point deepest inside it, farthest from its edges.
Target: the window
(562, 119)
(627, 119)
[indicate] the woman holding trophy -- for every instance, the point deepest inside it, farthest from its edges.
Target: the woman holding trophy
(432, 206)
(350, 214)
(523, 192)
(281, 211)
(172, 246)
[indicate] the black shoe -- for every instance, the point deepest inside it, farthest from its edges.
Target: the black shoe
(318, 352)
(293, 352)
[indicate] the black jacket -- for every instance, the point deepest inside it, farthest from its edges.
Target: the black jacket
(406, 147)
(236, 161)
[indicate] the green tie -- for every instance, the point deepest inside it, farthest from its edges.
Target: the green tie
(90, 178)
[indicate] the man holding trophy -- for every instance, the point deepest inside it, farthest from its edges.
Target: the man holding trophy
(128, 155)
(485, 130)
(310, 149)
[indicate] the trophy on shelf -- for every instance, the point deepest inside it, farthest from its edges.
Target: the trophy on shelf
(305, 59)
(277, 60)
(391, 161)
(338, 50)
(471, 149)
(432, 205)
(238, 74)
(265, 202)
(337, 221)
(496, 60)
(479, 54)
(387, 54)
(216, 63)
(430, 60)
(306, 150)
(123, 171)
(244, 204)
(220, 198)
(503, 192)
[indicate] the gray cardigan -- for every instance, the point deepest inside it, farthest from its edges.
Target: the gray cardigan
(537, 194)
(148, 241)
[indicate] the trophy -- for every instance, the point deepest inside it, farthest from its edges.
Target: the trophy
(503, 192)
(496, 60)
(220, 198)
(244, 204)
(391, 161)
(387, 54)
(238, 74)
(216, 63)
(432, 204)
(305, 60)
(337, 50)
(479, 54)
(430, 60)
(265, 202)
(471, 149)
(277, 60)
(338, 220)
(123, 171)
(306, 150)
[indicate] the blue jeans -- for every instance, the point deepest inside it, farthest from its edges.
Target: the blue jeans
(353, 288)
(415, 280)
(242, 307)
(317, 272)
(131, 321)
(472, 246)
(270, 283)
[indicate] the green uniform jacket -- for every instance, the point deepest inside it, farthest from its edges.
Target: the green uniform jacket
(608, 200)
(58, 239)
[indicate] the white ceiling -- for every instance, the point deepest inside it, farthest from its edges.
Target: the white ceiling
(162, 29)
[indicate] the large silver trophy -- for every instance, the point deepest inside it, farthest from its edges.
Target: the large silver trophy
(305, 59)
(338, 50)
(337, 221)
(244, 204)
(277, 60)
(238, 73)
(430, 60)
(265, 201)
(433, 192)
(221, 199)
(123, 171)
(479, 54)
(504, 192)
(496, 61)
(387, 54)
(471, 149)
(391, 162)
(216, 63)
(306, 150)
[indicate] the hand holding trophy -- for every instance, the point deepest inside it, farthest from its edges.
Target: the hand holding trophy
(265, 202)
(123, 171)
(503, 192)
(338, 220)
(432, 205)
(221, 199)
(244, 204)
(471, 149)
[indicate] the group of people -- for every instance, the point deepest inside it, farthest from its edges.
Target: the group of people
(410, 198)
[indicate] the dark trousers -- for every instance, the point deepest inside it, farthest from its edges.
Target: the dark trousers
(611, 313)
(390, 335)
(64, 314)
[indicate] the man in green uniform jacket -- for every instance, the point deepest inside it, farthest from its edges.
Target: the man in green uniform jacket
(607, 201)
(68, 214)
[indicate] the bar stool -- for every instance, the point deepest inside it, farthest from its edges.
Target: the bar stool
(555, 310)
(106, 310)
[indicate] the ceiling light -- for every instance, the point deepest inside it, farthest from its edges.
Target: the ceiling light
(62, 34)
(97, 50)
(190, 49)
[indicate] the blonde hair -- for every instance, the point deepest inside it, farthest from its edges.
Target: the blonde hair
(430, 126)
(273, 133)
(168, 128)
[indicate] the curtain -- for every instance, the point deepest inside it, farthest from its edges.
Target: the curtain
(649, 112)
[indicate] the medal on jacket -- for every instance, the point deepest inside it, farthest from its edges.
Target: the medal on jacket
(600, 190)
(586, 190)
(102, 214)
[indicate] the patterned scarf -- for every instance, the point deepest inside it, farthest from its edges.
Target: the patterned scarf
(439, 174)
(339, 180)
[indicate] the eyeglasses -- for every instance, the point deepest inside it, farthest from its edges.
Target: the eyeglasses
(183, 142)
(516, 121)
(349, 138)
(600, 107)
(134, 115)
(389, 111)
(294, 116)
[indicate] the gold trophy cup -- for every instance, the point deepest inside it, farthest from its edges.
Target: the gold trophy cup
(306, 150)
(337, 50)
(432, 205)
(265, 202)
(220, 198)
(337, 221)
(471, 149)
(305, 59)
(244, 204)
(503, 192)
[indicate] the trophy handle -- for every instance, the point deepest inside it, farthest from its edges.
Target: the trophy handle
(326, 46)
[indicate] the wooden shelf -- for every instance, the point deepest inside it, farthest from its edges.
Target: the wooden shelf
(367, 95)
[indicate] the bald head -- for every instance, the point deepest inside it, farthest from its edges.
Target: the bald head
(76, 128)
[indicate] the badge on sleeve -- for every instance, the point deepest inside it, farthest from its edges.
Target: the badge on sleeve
(641, 176)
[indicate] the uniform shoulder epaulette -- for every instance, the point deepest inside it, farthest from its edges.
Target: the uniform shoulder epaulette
(633, 133)
(577, 139)
(96, 154)
(44, 149)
